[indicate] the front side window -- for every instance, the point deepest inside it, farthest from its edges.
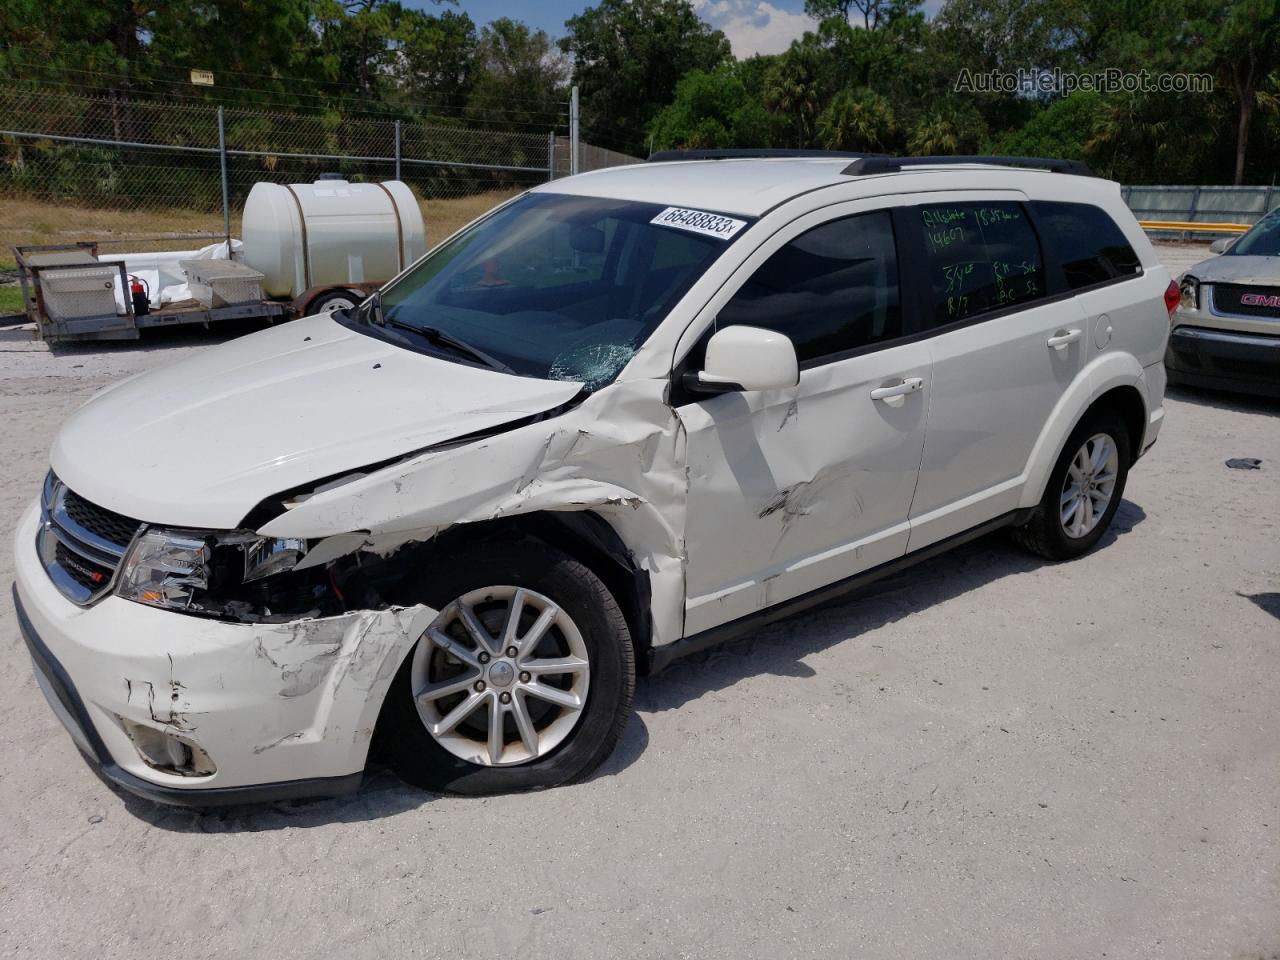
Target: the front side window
(979, 257)
(550, 286)
(1087, 242)
(1263, 240)
(830, 290)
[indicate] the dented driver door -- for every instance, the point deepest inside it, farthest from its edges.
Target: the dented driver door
(790, 490)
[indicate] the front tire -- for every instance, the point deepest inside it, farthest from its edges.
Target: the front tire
(525, 679)
(1084, 490)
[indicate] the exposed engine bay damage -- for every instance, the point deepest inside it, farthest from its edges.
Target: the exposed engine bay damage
(617, 460)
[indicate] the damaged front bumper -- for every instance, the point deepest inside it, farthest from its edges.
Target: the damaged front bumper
(197, 712)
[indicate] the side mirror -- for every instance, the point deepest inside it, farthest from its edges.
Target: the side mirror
(1222, 245)
(746, 358)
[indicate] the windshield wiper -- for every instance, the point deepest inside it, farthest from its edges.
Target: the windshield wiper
(440, 338)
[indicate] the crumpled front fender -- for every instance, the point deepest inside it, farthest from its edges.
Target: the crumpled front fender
(620, 454)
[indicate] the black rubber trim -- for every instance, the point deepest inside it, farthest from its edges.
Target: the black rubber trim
(104, 766)
(762, 153)
(871, 166)
(663, 657)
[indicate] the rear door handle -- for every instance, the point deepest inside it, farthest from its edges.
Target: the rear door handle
(1059, 341)
(898, 390)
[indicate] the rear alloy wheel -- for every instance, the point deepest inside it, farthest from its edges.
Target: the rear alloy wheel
(524, 679)
(1084, 490)
(1089, 485)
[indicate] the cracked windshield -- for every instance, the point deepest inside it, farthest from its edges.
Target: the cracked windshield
(550, 286)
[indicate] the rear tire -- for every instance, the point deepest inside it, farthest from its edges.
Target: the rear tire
(543, 743)
(1084, 490)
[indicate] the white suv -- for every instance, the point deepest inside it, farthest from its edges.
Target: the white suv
(619, 418)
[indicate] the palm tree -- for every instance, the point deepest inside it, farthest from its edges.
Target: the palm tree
(856, 120)
(791, 89)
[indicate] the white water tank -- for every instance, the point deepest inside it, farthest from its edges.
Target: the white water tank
(304, 235)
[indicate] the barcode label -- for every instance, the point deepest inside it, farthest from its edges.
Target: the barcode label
(699, 221)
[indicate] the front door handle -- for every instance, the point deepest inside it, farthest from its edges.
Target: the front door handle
(1059, 341)
(898, 390)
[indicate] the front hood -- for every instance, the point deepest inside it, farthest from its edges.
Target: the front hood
(1256, 271)
(201, 442)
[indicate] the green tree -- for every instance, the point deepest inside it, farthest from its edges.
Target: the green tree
(628, 56)
(518, 72)
(857, 120)
(1061, 129)
(794, 88)
(436, 57)
(1240, 44)
(952, 127)
(711, 109)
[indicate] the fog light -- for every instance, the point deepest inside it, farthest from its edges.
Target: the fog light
(167, 752)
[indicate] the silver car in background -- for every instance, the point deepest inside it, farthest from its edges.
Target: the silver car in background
(1226, 331)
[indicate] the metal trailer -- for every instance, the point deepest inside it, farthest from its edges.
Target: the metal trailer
(99, 316)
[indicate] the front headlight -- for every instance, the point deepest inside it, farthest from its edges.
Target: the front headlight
(221, 574)
(1190, 289)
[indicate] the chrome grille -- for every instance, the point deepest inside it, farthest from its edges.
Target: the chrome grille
(81, 544)
(112, 527)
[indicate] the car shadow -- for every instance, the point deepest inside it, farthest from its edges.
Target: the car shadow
(382, 794)
(1266, 602)
(1224, 400)
(777, 648)
(780, 648)
(164, 338)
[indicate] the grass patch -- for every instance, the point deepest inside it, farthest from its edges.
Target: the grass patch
(10, 299)
(30, 222)
(25, 222)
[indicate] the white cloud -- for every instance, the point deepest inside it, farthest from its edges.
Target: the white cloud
(754, 27)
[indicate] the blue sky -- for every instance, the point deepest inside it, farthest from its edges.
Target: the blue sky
(752, 26)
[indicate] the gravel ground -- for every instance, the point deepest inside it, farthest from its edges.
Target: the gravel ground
(989, 757)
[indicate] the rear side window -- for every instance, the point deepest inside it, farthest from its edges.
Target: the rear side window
(1090, 246)
(830, 290)
(979, 257)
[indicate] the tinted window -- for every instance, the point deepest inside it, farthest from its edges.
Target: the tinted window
(979, 257)
(832, 289)
(1088, 243)
(1261, 241)
(558, 287)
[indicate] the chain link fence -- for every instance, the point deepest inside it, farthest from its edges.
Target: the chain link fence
(150, 174)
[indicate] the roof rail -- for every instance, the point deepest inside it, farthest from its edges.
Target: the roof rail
(734, 153)
(872, 165)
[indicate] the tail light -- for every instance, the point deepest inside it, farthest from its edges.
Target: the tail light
(1172, 297)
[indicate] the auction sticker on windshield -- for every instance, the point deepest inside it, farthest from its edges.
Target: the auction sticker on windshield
(699, 221)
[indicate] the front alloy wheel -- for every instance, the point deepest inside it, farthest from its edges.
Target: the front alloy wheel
(501, 676)
(524, 680)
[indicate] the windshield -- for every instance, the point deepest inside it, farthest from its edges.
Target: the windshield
(550, 286)
(1262, 241)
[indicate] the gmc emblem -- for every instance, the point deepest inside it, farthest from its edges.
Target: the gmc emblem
(1260, 300)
